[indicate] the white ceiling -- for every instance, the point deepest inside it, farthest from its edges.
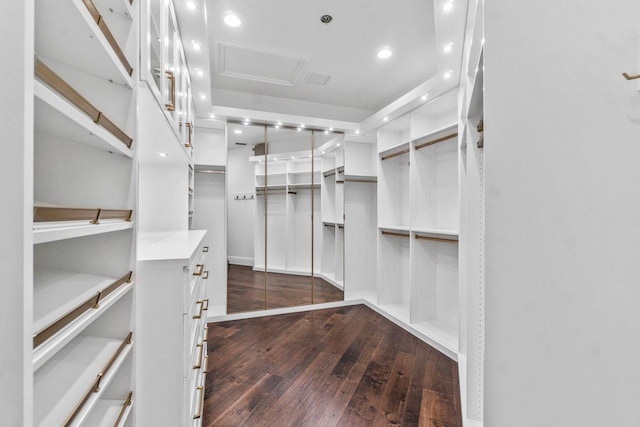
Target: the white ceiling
(265, 64)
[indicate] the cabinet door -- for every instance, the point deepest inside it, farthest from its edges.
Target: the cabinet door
(153, 28)
(171, 65)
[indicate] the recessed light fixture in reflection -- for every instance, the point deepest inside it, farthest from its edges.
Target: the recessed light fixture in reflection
(232, 20)
(191, 5)
(237, 131)
(163, 155)
(447, 6)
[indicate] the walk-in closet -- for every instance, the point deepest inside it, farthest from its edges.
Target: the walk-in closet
(363, 213)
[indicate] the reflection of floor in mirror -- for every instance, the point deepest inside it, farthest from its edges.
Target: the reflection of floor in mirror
(344, 366)
(245, 290)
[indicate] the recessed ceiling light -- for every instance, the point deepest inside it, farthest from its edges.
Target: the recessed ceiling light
(330, 129)
(302, 126)
(292, 157)
(323, 152)
(298, 129)
(424, 97)
(163, 155)
(200, 73)
(357, 130)
(237, 131)
(232, 20)
(326, 132)
(275, 159)
(338, 144)
(385, 53)
(279, 123)
(196, 46)
(213, 116)
(448, 74)
(447, 6)
(191, 5)
(277, 126)
(447, 47)
(203, 96)
(385, 119)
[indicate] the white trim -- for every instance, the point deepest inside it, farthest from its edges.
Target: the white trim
(240, 260)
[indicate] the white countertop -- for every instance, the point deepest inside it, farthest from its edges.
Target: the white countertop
(171, 245)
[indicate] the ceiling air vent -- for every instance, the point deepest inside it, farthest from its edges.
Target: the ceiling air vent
(317, 79)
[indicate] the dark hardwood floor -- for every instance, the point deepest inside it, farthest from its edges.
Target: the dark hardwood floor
(245, 290)
(346, 366)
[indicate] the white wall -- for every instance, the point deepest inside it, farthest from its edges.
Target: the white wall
(16, 175)
(562, 143)
(240, 179)
(209, 147)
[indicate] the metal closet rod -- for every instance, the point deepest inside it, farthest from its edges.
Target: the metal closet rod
(389, 233)
(437, 239)
(435, 141)
(269, 125)
(209, 171)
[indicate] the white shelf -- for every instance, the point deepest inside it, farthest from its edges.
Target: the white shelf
(440, 333)
(394, 228)
(394, 148)
(56, 292)
(361, 178)
(173, 245)
(44, 232)
(56, 116)
(62, 382)
(106, 413)
(400, 311)
(437, 233)
(435, 134)
(81, 45)
(370, 296)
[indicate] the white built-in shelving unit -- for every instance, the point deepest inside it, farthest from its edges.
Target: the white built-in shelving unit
(418, 222)
(472, 219)
(83, 217)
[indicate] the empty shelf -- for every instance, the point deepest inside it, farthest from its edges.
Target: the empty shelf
(61, 385)
(66, 91)
(110, 413)
(66, 302)
(361, 178)
(436, 233)
(396, 150)
(56, 116)
(84, 44)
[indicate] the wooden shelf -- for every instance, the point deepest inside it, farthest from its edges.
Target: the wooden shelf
(109, 413)
(66, 302)
(56, 116)
(62, 382)
(82, 45)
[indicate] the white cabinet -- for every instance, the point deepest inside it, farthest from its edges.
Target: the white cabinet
(171, 323)
(164, 68)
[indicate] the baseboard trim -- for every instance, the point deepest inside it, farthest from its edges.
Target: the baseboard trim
(276, 311)
(238, 260)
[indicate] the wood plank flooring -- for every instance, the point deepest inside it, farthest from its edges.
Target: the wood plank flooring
(346, 366)
(245, 290)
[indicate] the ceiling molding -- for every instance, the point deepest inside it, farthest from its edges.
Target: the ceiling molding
(289, 66)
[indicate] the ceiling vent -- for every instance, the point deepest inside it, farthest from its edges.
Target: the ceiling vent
(317, 79)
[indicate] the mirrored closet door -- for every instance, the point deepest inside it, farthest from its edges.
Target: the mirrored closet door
(276, 198)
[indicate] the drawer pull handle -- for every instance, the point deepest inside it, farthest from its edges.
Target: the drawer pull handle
(205, 338)
(206, 275)
(172, 81)
(199, 315)
(206, 364)
(199, 270)
(205, 249)
(200, 356)
(206, 304)
(199, 414)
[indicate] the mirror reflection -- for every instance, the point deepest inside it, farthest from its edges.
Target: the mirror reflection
(279, 230)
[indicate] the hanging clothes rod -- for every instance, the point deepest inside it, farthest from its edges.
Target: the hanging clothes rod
(436, 239)
(390, 233)
(435, 141)
(210, 171)
(399, 153)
